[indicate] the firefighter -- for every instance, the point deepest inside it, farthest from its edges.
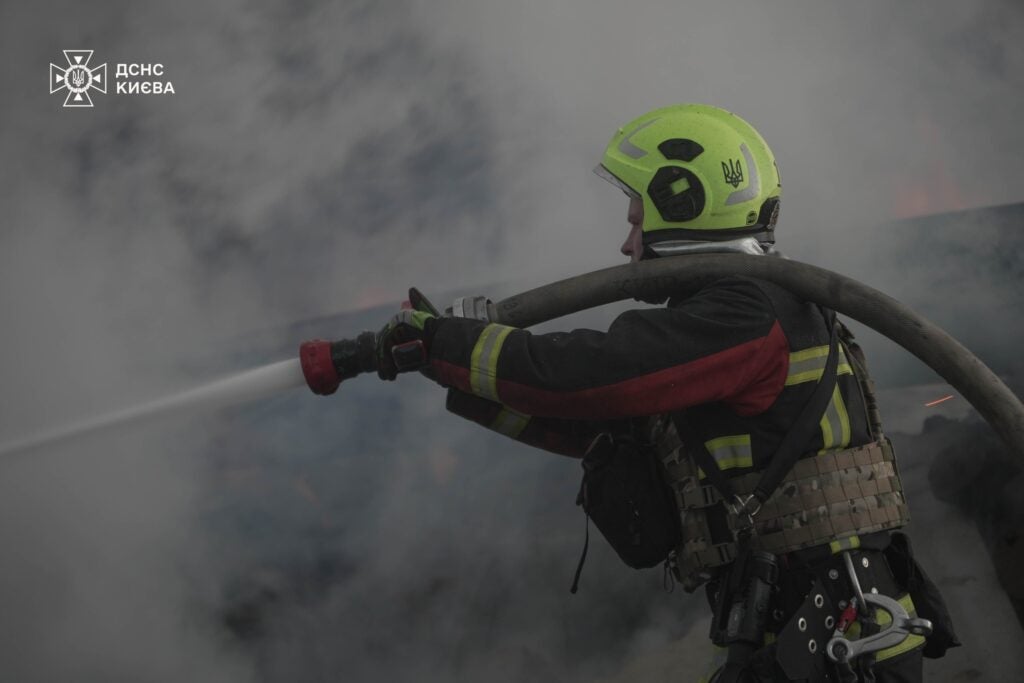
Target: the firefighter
(773, 488)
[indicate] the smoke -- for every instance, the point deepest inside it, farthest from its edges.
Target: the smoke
(319, 157)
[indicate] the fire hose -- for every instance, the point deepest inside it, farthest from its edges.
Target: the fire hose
(325, 364)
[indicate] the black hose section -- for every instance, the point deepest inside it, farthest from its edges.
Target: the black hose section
(679, 275)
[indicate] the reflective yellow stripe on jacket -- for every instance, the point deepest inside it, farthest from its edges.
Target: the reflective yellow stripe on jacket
(730, 451)
(483, 362)
(510, 422)
(808, 365)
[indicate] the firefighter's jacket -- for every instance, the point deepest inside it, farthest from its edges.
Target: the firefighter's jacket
(740, 357)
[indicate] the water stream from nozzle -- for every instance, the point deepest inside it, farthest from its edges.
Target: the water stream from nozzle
(245, 386)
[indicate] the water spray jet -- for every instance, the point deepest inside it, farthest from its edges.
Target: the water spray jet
(243, 387)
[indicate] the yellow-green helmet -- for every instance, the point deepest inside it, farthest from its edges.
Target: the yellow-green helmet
(702, 172)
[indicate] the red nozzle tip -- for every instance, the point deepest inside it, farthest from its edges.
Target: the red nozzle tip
(317, 367)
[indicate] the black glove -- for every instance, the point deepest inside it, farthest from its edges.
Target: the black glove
(403, 344)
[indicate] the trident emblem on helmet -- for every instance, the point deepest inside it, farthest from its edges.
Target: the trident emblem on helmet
(733, 172)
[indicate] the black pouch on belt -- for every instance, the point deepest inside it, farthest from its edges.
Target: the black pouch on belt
(926, 596)
(625, 493)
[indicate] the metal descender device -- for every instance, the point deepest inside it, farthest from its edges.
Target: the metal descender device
(841, 649)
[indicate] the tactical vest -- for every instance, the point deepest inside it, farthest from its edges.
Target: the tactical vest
(831, 496)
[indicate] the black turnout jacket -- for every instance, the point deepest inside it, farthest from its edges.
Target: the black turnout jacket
(740, 359)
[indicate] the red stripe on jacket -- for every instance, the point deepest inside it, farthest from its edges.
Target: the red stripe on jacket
(748, 377)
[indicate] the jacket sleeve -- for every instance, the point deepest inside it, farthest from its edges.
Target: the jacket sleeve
(722, 344)
(565, 437)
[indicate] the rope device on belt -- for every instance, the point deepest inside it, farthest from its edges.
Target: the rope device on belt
(840, 649)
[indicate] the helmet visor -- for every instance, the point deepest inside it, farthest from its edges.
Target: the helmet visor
(603, 172)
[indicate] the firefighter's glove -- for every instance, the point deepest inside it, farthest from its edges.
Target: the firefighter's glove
(403, 344)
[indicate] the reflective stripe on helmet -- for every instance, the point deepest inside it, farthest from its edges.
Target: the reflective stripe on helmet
(753, 188)
(626, 145)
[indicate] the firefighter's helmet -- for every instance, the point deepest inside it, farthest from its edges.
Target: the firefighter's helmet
(703, 173)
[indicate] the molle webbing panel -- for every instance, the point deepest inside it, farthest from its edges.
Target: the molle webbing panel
(836, 494)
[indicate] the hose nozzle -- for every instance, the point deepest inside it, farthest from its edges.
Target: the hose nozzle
(317, 368)
(326, 364)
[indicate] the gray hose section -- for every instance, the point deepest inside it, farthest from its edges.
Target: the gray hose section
(678, 275)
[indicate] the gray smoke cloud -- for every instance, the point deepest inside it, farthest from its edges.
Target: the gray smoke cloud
(321, 157)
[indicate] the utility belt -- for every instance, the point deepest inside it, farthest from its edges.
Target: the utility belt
(830, 620)
(824, 499)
